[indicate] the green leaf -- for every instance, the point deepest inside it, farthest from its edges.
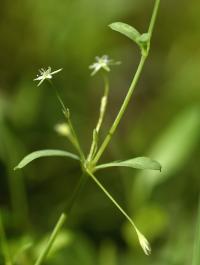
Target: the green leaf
(138, 163)
(126, 30)
(44, 153)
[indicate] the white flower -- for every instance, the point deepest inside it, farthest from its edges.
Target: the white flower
(144, 243)
(45, 74)
(102, 63)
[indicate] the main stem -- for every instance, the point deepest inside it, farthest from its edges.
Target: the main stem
(121, 111)
(131, 89)
(61, 221)
(51, 240)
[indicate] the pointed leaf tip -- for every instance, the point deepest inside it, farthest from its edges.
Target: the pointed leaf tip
(44, 153)
(138, 163)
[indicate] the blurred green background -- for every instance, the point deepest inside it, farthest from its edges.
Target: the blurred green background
(162, 121)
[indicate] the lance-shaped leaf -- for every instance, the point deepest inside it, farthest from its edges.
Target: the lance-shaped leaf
(138, 163)
(126, 30)
(44, 153)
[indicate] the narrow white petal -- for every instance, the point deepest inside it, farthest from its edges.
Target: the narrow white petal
(40, 82)
(57, 71)
(38, 78)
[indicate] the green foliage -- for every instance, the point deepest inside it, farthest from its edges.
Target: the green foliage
(138, 163)
(44, 153)
(88, 165)
(162, 122)
(142, 40)
(126, 30)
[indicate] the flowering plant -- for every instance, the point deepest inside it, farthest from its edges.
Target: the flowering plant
(89, 163)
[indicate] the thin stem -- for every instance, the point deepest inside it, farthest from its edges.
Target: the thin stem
(121, 111)
(131, 88)
(4, 244)
(102, 111)
(103, 104)
(153, 17)
(75, 140)
(61, 221)
(52, 239)
(143, 241)
(76, 192)
(93, 147)
(113, 200)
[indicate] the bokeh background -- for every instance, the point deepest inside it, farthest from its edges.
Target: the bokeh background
(162, 121)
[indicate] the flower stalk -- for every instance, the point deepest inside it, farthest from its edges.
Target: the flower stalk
(89, 163)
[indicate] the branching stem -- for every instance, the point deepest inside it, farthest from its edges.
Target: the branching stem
(130, 90)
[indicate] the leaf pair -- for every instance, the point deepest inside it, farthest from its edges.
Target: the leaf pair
(138, 162)
(142, 40)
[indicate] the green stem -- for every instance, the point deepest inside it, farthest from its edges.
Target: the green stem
(143, 241)
(113, 200)
(4, 244)
(76, 192)
(103, 104)
(74, 139)
(121, 111)
(52, 239)
(153, 17)
(131, 88)
(102, 111)
(61, 220)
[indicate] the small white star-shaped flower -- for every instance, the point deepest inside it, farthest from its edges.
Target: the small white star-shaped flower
(45, 74)
(102, 63)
